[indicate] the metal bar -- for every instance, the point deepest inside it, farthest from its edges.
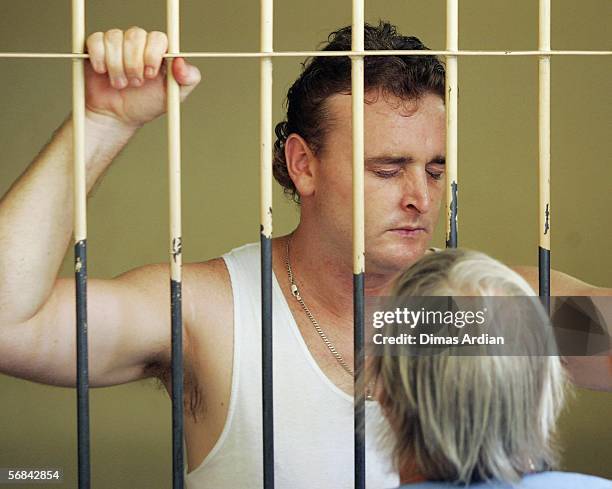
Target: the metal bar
(267, 46)
(288, 54)
(452, 45)
(80, 243)
(544, 153)
(176, 246)
(357, 92)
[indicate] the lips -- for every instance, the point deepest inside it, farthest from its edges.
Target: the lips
(409, 231)
(409, 228)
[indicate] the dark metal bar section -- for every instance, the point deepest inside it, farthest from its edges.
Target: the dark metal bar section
(451, 241)
(177, 384)
(359, 404)
(544, 277)
(80, 267)
(267, 362)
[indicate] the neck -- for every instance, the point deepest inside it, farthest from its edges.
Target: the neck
(324, 273)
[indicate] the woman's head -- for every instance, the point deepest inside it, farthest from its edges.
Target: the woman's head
(467, 418)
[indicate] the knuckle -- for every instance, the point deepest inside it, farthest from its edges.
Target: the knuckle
(94, 38)
(113, 35)
(135, 33)
(159, 38)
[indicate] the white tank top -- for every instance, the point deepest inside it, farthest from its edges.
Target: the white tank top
(313, 418)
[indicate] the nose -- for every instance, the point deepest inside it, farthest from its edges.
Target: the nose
(415, 192)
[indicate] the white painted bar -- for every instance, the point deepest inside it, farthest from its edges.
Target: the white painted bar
(265, 157)
(78, 121)
(452, 45)
(174, 144)
(544, 126)
(357, 86)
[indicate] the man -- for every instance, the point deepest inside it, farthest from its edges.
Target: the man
(128, 319)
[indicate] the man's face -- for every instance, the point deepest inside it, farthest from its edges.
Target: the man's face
(404, 178)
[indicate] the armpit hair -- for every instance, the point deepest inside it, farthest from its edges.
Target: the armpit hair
(193, 399)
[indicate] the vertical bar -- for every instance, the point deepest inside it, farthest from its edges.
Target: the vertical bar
(267, 35)
(544, 154)
(357, 91)
(176, 246)
(80, 242)
(452, 44)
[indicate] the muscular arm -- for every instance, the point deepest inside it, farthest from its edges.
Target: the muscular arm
(36, 215)
(128, 330)
(127, 320)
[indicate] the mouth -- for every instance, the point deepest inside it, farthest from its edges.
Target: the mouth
(409, 231)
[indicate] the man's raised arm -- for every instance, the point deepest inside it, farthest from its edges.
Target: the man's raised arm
(125, 88)
(593, 372)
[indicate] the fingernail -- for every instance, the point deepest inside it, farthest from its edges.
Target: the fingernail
(135, 82)
(149, 71)
(120, 82)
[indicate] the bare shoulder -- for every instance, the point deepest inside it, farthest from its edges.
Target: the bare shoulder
(206, 302)
(208, 339)
(208, 275)
(205, 286)
(207, 293)
(208, 310)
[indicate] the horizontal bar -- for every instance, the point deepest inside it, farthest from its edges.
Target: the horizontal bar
(289, 54)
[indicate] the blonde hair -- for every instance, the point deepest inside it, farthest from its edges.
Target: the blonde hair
(468, 418)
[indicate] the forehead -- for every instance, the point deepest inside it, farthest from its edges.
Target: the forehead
(392, 125)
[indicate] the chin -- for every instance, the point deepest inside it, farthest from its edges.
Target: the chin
(395, 261)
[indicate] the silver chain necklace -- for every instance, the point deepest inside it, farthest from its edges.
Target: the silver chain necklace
(296, 293)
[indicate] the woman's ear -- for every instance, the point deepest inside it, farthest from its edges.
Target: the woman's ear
(301, 164)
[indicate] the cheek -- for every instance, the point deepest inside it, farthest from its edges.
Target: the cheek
(335, 196)
(381, 197)
(437, 193)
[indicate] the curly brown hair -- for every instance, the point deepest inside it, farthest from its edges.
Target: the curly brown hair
(405, 77)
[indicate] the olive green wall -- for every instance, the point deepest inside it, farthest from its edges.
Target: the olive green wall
(128, 212)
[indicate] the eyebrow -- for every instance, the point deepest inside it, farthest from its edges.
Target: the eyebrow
(400, 160)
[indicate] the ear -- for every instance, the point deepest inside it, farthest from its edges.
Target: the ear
(301, 164)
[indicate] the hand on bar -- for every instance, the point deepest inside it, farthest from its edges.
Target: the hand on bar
(126, 75)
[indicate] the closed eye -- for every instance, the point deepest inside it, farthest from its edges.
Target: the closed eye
(436, 175)
(386, 174)
(391, 174)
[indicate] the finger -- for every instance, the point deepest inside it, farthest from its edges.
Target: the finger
(156, 47)
(95, 48)
(188, 76)
(134, 42)
(113, 47)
